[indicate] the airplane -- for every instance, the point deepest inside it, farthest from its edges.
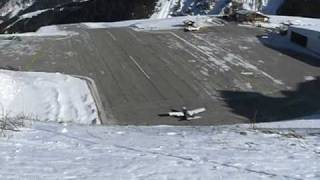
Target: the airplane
(190, 25)
(185, 114)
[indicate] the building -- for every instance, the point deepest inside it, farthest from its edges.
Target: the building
(250, 16)
(306, 36)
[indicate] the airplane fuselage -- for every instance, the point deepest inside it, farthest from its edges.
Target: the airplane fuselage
(186, 114)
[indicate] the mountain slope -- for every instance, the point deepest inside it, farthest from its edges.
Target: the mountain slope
(29, 15)
(16, 16)
(309, 8)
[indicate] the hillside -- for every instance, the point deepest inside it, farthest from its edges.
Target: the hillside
(29, 15)
(308, 8)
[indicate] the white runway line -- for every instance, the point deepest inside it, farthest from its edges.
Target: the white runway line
(188, 43)
(140, 68)
(111, 35)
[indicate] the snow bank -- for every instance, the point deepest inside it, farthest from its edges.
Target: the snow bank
(308, 122)
(277, 21)
(46, 97)
(294, 20)
(159, 24)
(293, 124)
(45, 31)
(53, 31)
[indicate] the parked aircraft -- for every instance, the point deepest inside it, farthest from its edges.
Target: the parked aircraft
(185, 114)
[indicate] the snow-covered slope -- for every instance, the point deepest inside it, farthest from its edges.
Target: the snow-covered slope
(160, 24)
(55, 151)
(265, 6)
(29, 15)
(167, 8)
(11, 8)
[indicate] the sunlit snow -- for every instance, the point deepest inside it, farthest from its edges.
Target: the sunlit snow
(46, 97)
(55, 151)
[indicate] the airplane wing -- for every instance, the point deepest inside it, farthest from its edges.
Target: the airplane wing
(176, 114)
(196, 111)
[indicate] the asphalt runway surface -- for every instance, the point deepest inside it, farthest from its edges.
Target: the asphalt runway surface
(139, 75)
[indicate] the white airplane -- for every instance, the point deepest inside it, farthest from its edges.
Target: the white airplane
(191, 25)
(187, 115)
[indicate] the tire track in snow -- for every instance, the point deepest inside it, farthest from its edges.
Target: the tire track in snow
(270, 174)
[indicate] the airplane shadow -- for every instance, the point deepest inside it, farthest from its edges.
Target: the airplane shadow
(303, 101)
(177, 118)
(284, 46)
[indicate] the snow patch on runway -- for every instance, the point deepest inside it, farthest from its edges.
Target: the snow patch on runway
(21, 48)
(209, 52)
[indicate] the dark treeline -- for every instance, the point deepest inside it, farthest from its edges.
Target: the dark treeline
(307, 8)
(66, 11)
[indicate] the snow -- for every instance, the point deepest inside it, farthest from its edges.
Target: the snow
(265, 6)
(284, 42)
(278, 21)
(308, 122)
(167, 8)
(312, 123)
(46, 97)
(162, 9)
(56, 151)
(33, 14)
(159, 24)
(14, 7)
(53, 30)
(219, 6)
(70, 151)
(272, 6)
(294, 20)
(315, 27)
(45, 31)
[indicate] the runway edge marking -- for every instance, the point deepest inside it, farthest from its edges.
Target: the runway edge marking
(139, 67)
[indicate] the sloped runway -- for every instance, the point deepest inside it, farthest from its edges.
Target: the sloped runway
(142, 74)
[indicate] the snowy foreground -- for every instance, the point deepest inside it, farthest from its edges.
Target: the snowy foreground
(57, 151)
(46, 97)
